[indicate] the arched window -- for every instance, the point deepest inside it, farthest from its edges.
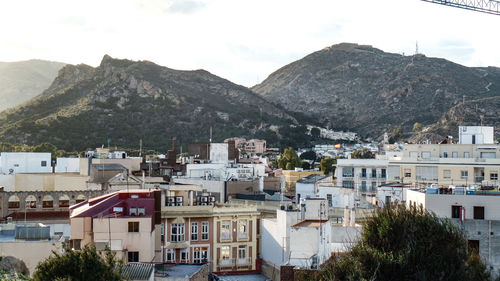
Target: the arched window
(14, 202)
(64, 201)
(48, 201)
(30, 202)
(80, 198)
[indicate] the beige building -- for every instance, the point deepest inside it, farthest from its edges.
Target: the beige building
(195, 229)
(292, 176)
(447, 164)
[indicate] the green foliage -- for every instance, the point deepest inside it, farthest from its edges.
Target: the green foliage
(306, 165)
(315, 132)
(309, 155)
(417, 127)
(364, 153)
(407, 244)
(289, 160)
(76, 265)
(327, 165)
(9, 276)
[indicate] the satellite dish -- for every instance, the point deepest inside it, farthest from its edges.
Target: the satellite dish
(11, 171)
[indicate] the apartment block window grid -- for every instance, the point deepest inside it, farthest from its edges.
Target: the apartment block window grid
(455, 211)
(242, 253)
(177, 232)
(447, 174)
(493, 176)
(225, 231)
(204, 230)
(225, 255)
(464, 175)
(374, 173)
(363, 173)
(194, 231)
(407, 173)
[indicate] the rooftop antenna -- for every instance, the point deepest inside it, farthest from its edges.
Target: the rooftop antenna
(210, 133)
(416, 47)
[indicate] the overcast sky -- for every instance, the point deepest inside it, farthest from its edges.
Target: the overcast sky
(240, 40)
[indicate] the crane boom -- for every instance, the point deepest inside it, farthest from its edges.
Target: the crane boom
(485, 6)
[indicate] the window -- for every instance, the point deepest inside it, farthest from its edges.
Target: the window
(44, 164)
(455, 212)
(77, 244)
(133, 211)
(445, 154)
(177, 232)
(348, 184)
(374, 185)
(224, 253)
(447, 174)
(383, 173)
(388, 200)
(243, 229)
(347, 172)
(133, 226)
(478, 213)
(242, 253)
(374, 173)
(170, 255)
(493, 176)
(363, 186)
(185, 255)
(413, 154)
(225, 231)
(426, 154)
(488, 155)
(330, 200)
(454, 154)
(363, 173)
(194, 231)
(407, 173)
(464, 175)
(133, 257)
(466, 155)
(204, 230)
(196, 255)
(141, 211)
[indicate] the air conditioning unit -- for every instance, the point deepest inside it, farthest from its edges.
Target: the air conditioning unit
(212, 198)
(203, 204)
(179, 199)
(178, 204)
(204, 199)
(171, 204)
(141, 211)
(171, 199)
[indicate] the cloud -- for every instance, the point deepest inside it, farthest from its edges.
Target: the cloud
(185, 6)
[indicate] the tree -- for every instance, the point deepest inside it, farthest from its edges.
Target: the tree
(407, 244)
(327, 165)
(288, 159)
(315, 132)
(309, 155)
(306, 165)
(364, 153)
(48, 147)
(76, 265)
(417, 127)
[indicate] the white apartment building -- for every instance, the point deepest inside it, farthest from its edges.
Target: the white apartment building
(226, 171)
(475, 135)
(362, 175)
(25, 162)
(481, 223)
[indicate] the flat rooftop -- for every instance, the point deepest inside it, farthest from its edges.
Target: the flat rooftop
(182, 270)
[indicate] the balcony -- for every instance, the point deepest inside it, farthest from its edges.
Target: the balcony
(235, 262)
(478, 178)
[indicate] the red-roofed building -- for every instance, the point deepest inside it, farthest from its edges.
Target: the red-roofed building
(126, 221)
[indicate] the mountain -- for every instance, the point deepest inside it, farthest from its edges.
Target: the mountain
(124, 101)
(20, 81)
(365, 90)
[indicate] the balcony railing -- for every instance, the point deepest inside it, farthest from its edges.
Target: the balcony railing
(478, 178)
(234, 262)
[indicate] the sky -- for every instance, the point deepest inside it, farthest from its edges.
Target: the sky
(241, 40)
